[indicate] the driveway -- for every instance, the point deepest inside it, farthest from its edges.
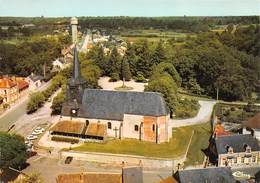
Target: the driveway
(203, 116)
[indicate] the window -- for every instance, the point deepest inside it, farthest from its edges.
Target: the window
(242, 159)
(109, 125)
(235, 160)
(136, 128)
(153, 127)
(87, 122)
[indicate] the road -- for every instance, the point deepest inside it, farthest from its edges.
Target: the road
(203, 116)
(17, 110)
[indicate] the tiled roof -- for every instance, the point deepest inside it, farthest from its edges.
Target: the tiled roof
(132, 175)
(22, 84)
(90, 178)
(7, 83)
(237, 142)
(112, 105)
(211, 175)
(96, 129)
(74, 127)
(169, 180)
(253, 122)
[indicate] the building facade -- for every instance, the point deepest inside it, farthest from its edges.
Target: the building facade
(139, 115)
(235, 150)
(8, 90)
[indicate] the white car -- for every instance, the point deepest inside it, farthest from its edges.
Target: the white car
(36, 132)
(31, 137)
(39, 130)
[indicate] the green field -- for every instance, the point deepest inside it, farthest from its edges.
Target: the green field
(175, 148)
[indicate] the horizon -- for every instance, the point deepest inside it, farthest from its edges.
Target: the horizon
(129, 8)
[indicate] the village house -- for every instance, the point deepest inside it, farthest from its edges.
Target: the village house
(8, 90)
(234, 150)
(59, 64)
(139, 115)
(252, 126)
(35, 81)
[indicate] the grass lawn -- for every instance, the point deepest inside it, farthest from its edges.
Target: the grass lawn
(200, 141)
(176, 147)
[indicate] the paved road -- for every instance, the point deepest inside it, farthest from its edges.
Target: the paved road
(17, 110)
(203, 116)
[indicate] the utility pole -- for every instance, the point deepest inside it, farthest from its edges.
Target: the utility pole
(217, 93)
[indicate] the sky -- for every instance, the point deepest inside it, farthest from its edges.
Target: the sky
(60, 8)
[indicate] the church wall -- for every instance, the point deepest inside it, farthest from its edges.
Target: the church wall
(149, 131)
(129, 126)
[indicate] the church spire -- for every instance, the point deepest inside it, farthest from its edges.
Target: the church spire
(76, 67)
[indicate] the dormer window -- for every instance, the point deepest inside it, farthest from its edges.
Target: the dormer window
(247, 148)
(229, 149)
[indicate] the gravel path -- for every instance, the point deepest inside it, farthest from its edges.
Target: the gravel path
(203, 116)
(106, 85)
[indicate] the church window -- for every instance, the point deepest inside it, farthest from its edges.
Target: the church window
(136, 128)
(109, 125)
(153, 127)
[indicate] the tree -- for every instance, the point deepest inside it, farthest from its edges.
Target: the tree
(91, 73)
(57, 103)
(143, 61)
(126, 74)
(167, 68)
(36, 100)
(114, 62)
(131, 57)
(159, 54)
(165, 85)
(12, 151)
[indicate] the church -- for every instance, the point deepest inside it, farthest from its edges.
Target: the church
(122, 114)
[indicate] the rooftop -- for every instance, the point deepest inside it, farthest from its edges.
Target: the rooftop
(74, 127)
(253, 122)
(237, 142)
(90, 178)
(7, 83)
(112, 105)
(96, 129)
(212, 175)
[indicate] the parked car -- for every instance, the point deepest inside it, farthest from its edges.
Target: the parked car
(31, 137)
(39, 130)
(68, 160)
(36, 132)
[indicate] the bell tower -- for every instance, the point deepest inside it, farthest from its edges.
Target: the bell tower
(76, 83)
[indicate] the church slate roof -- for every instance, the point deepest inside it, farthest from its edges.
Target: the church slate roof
(237, 142)
(211, 175)
(112, 105)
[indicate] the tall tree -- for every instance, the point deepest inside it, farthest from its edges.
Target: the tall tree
(143, 62)
(126, 73)
(159, 54)
(12, 151)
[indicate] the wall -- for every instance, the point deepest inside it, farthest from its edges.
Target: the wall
(117, 159)
(129, 123)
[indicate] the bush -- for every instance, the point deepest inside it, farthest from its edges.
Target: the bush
(65, 139)
(114, 77)
(140, 78)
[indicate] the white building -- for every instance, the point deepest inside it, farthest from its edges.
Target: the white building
(74, 29)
